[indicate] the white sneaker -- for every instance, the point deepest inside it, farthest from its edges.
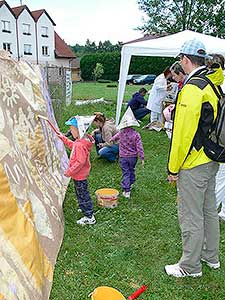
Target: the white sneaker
(126, 194)
(86, 221)
(211, 265)
(177, 271)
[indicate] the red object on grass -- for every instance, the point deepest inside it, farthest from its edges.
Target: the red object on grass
(138, 292)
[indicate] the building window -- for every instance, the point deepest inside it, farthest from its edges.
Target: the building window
(45, 51)
(7, 47)
(60, 71)
(26, 29)
(27, 49)
(6, 26)
(44, 31)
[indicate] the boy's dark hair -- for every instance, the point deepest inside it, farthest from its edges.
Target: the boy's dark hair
(177, 68)
(143, 91)
(196, 60)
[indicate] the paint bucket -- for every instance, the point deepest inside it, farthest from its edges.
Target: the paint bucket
(106, 293)
(107, 197)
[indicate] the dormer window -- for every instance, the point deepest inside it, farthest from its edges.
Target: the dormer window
(6, 26)
(44, 31)
(26, 29)
(27, 49)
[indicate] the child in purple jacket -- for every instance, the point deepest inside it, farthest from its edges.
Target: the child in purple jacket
(130, 147)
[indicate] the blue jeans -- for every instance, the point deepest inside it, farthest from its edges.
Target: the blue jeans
(83, 197)
(110, 153)
(141, 112)
(98, 140)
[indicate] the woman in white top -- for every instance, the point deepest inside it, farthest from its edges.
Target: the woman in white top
(157, 95)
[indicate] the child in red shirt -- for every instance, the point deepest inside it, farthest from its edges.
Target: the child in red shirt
(79, 168)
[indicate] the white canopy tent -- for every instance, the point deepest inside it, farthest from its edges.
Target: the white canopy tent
(168, 46)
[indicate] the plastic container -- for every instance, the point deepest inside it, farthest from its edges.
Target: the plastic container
(106, 293)
(107, 197)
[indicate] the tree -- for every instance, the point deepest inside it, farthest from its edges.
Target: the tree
(170, 16)
(90, 46)
(98, 71)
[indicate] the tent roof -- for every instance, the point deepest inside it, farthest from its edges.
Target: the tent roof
(169, 46)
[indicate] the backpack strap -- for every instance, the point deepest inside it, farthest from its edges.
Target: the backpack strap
(218, 93)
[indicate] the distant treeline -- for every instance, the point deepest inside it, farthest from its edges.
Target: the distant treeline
(91, 47)
(109, 56)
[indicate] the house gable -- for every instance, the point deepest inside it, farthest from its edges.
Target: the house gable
(26, 32)
(38, 13)
(45, 37)
(8, 37)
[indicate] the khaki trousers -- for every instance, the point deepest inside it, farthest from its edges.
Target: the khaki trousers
(198, 217)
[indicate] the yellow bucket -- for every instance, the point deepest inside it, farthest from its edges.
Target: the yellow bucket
(106, 293)
(107, 197)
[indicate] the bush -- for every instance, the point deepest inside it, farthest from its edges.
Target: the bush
(109, 60)
(111, 63)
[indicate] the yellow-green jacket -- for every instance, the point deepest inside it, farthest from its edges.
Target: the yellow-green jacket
(196, 102)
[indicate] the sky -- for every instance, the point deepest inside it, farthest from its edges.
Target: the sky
(96, 20)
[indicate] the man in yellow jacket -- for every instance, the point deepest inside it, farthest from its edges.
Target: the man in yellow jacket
(191, 169)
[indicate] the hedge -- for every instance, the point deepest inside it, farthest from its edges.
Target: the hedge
(111, 64)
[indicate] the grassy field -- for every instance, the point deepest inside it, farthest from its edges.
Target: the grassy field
(90, 90)
(130, 245)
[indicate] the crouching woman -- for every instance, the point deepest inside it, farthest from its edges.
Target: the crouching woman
(105, 130)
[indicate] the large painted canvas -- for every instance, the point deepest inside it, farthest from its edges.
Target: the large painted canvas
(32, 184)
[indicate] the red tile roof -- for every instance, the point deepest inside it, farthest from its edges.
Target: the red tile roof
(37, 13)
(18, 10)
(62, 50)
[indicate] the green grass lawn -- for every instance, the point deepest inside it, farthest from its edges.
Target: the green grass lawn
(92, 90)
(129, 245)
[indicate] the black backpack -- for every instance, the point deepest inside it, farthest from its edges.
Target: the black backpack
(214, 140)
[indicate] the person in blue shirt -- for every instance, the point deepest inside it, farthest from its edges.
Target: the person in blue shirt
(138, 104)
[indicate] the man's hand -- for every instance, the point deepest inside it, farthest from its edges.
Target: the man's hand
(143, 163)
(172, 178)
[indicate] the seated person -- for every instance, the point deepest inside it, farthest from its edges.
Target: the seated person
(106, 129)
(138, 104)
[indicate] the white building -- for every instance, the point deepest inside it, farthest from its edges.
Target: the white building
(25, 26)
(30, 36)
(8, 36)
(45, 36)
